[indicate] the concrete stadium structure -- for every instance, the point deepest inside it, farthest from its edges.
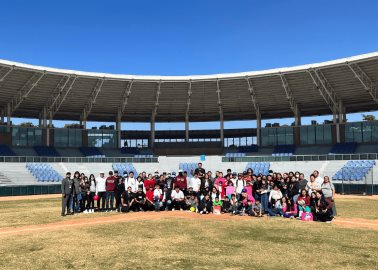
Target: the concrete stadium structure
(334, 88)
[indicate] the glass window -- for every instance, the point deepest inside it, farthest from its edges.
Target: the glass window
(61, 137)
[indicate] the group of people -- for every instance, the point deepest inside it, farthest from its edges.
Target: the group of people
(289, 195)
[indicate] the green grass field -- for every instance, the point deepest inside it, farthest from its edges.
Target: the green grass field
(174, 243)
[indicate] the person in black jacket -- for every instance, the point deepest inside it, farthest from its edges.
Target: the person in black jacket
(118, 190)
(205, 205)
(167, 199)
(293, 189)
(66, 193)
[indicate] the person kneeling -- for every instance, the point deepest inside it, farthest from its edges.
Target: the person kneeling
(205, 205)
(178, 199)
(254, 210)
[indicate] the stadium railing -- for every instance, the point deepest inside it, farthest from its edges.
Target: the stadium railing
(79, 159)
(363, 156)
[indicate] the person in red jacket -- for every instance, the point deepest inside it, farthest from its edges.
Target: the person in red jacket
(149, 182)
(149, 198)
(180, 182)
(110, 187)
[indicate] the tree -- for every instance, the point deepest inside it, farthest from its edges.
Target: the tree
(368, 117)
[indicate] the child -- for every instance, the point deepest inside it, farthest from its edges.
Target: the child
(217, 206)
(157, 197)
(226, 205)
(233, 204)
(230, 189)
(255, 209)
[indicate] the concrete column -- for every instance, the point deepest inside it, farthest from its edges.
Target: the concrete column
(258, 131)
(336, 123)
(118, 128)
(298, 120)
(222, 129)
(44, 118)
(9, 117)
(187, 128)
(2, 117)
(152, 138)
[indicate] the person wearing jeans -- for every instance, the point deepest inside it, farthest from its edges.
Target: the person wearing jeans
(101, 191)
(110, 187)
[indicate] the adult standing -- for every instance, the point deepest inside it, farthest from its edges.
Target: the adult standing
(66, 193)
(328, 190)
(180, 182)
(119, 189)
(110, 188)
(318, 178)
(101, 190)
(200, 171)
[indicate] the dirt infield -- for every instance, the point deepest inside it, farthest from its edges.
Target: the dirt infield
(344, 222)
(52, 196)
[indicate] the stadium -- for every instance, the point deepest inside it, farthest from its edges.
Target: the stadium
(267, 194)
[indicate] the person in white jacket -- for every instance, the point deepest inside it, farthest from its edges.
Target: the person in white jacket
(101, 190)
(131, 182)
(195, 183)
(275, 194)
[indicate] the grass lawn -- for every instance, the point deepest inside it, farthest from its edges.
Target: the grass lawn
(174, 243)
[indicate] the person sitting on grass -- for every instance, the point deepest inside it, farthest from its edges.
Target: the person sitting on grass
(127, 200)
(217, 206)
(303, 201)
(243, 202)
(158, 194)
(178, 199)
(255, 209)
(226, 205)
(192, 203)
(291, 209)
(324, 209)
(205, 206)
(140, 200)
(276, 209)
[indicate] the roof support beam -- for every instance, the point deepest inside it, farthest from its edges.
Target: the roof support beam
(365, 80)
(221, 116)
(25, 90)
(252, 93)
(92, 99)
(289, 95)
(125, 97)
(153, 115)
(5, 75)
(188, 100)
(57, 101)
(325, 89)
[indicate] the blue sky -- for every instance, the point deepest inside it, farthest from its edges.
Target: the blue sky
(186, 37)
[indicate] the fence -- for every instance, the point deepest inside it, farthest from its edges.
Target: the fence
(78, 159)
(29, 190)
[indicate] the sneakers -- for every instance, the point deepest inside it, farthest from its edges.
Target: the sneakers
(173, 209)
(85, 211)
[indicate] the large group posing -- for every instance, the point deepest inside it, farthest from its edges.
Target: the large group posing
(288, 195)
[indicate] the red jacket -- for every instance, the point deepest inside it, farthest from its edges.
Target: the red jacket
(110, 183)
(180, 182)
(150, 195)
(149, 182)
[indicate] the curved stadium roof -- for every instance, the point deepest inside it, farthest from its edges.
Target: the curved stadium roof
(315, 89)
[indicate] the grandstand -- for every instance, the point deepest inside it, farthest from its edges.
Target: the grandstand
(40, 155)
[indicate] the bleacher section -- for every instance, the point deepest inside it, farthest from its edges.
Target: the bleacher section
(354, 170)
(259, 167)
(4, 180)
(6, 151)
(130, 150)
(235, 155)
(143, 156)
(43, 172)
(46, 151)
(188, 167)
(283, 150)
(343, 148)
(125, 167)
(91, 152)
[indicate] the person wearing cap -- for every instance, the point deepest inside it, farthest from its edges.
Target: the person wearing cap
(66, 187)
(178, 199)
(101, 190)
(180, 181)
(149, 182)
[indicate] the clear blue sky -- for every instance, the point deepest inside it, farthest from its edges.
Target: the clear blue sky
(186, 37)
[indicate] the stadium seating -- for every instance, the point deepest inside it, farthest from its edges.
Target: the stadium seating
(43, 172)
(125, 167)
(92, 152)
(235, 154)
(343, 148)
(283, 150)
(188, 167)
(354, 170)
(143, 156)
(259, 167)
(130, 150)
(46, 151)
(6, 151)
